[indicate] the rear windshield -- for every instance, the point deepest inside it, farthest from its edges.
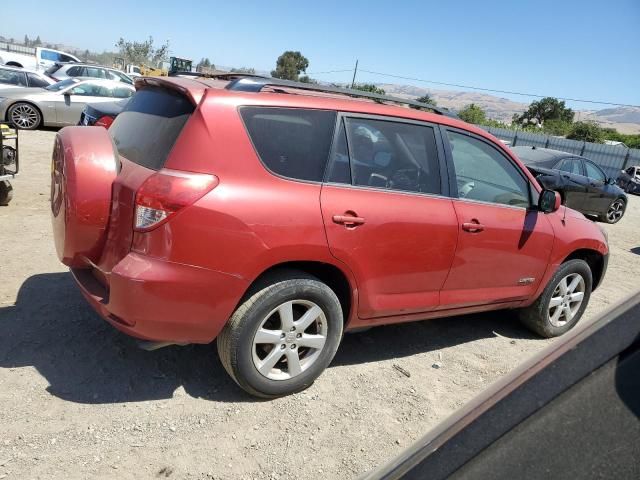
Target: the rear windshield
(149, 125)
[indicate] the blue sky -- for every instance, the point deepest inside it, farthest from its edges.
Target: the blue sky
(580, 49)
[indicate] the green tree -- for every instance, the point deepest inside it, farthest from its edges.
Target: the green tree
(37, 42)
(588, 131)
(428, 99)
(368, 87)
(548, 108)
(27, 42)
(142, 52)
(473, 114)
(307, 79)
(205, 63)
(556, 127)
(289, 65)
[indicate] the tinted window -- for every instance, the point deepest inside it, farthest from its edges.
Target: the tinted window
(393, 155)
(485, 174)
(93, 72)
(75, 72)
(56, 87)
(119, 77)
(594, 172)
(36, 81)
(292, 142)
(49, 55)
(149, 125)
(11, 77)
(571, 165)
(66, 58)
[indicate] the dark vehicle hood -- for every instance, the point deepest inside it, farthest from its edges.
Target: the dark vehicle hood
(111, 109)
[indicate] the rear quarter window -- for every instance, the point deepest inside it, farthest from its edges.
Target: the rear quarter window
(145, 131)
(291, 142)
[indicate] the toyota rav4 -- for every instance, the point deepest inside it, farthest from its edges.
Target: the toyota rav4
(273, 216)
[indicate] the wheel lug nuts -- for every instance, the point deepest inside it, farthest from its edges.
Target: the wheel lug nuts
(282, 335)
(293, 347)
(283, 346)
(298, 335)
(293, 329)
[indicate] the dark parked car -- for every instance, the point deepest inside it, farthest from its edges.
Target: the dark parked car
(629, 179)
(581, 183)
(101, 114)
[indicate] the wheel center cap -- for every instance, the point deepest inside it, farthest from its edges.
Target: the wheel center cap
(290, 337)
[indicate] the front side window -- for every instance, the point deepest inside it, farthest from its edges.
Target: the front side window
(292, 142)
(388, 154)
(11, 77)
(485, 174)
(93, 72)
(92, 90)
(594, 173)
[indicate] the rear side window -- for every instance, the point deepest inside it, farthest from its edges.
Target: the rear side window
(149, 125)
(74, 72)
(571, 165)
(11, 77)
(292, 142)
(36, 81)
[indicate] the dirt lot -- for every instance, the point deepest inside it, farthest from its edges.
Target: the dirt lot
(79, 400)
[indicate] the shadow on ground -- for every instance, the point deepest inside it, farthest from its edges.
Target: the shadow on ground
(85, 360)
(635, 250)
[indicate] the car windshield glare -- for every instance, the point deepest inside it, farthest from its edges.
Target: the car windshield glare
(56, 87)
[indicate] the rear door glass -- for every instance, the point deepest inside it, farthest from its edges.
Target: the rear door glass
(149, 125)
(292, 142)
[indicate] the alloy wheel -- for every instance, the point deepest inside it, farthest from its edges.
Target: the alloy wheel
(566, 300)
(615, 212)
(289, 339)
(24, 116)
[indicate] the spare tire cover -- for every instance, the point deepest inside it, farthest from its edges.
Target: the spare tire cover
(83, 168)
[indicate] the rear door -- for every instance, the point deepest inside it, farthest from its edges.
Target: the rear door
(70, 107)
(385, 213)
(504, 243)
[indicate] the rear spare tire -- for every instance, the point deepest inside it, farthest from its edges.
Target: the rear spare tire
(83, 168)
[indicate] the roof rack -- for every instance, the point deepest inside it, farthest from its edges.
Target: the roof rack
(256, 84)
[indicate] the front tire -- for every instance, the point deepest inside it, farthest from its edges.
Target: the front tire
(6, 192)
(25, 116)
(281, 338)
(562, 302)
(615, 212)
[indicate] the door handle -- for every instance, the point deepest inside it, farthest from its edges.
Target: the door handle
(348, 220)
(473, 226)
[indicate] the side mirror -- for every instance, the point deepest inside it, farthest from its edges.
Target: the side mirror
(549, 201)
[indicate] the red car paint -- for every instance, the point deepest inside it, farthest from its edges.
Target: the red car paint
(413, 257)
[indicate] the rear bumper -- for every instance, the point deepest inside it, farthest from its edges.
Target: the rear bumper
(155, 300)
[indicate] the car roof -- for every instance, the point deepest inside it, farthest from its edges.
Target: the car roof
(104, 81)
(85, 64)
(292, 97)
(529, 154)
(19, 69)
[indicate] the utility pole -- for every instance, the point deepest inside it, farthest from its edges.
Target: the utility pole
(355, 70)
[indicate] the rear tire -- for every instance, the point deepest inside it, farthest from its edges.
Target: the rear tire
(283, 336)
(557, 310)
(6, 192)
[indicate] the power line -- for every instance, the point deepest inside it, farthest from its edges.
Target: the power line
(496, 91)
(330, 71)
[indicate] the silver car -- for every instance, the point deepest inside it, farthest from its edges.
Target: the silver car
(15, 77)
(59, 104)
(62, 71)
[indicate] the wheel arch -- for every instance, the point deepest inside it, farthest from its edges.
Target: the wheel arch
(14, 64)
(6, 115)
(331, 275)
(594, 259)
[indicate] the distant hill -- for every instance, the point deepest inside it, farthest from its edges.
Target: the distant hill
(623, 119)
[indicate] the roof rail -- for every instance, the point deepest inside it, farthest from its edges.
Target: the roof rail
(256, 84)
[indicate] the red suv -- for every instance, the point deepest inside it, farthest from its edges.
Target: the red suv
(273, 216)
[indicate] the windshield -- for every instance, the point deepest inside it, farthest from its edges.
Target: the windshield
(56, 87)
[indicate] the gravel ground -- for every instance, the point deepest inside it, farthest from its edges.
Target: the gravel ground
(79, 400)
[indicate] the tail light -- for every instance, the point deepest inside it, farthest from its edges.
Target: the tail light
(165, 193)
(104, 121)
